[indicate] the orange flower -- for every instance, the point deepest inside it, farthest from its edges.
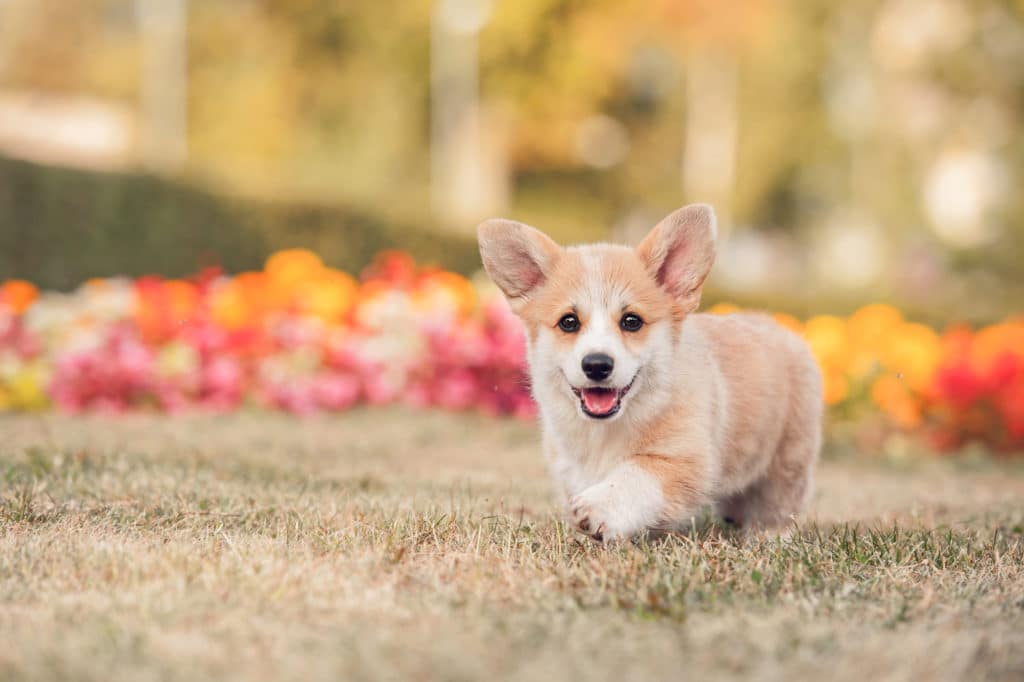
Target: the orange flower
(894, 398)
(290, 266)
(396, 267)
(836, 386)
(241, 301)
(789, 322)
(161, 307)
(443, 290)
(723, 308)
(955, 344)
(18, 295)
(182, 298)
(990, 343)
(289, 274)
(329, 296)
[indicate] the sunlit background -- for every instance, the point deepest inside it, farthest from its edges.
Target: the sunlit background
(856, 153)
(263, 417)
(866, 149)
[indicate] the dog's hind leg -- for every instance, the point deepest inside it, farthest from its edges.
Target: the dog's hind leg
(771, 502)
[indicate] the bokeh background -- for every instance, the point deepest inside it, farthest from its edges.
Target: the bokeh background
(863, 159)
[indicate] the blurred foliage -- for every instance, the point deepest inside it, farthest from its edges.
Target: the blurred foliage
(859, 119)
(338, 91)
(61, 227)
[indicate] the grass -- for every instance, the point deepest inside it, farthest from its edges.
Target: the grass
(398, 545)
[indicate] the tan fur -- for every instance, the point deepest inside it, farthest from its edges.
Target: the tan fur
(618, 266)
(768, 418)
(682, 482)
(721, 410)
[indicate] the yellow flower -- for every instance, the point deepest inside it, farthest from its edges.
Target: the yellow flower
(176, 358)
(868, 327)
(826, 335)
(914, 351)
(861, 363)
(25, 390)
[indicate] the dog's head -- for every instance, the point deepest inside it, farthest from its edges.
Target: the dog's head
(601, 320)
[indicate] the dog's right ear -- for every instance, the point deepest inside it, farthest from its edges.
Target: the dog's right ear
(516, 256)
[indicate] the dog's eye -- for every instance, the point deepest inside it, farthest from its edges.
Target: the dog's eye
(631, 322)
(569, 323)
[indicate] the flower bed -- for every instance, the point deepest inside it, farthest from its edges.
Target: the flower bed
(303, 337)
(954, 387)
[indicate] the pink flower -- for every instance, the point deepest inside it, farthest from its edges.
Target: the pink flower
(223, 381)
(456, 389)
(336, 391)
(294, 398)
(382, 387)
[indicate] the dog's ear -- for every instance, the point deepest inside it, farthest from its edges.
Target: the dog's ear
(516, 256)
(679, 252)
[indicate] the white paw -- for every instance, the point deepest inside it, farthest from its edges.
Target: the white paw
(603, 512)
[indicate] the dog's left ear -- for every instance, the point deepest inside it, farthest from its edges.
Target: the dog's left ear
(679, 252)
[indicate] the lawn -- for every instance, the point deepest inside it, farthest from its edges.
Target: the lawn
(388, 544)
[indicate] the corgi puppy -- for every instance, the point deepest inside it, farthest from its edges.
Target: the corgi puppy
(650, 411)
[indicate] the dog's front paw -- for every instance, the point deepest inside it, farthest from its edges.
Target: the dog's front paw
(600, 512)
(586, 520)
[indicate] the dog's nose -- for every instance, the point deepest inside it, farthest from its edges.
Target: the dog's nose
(598, 366)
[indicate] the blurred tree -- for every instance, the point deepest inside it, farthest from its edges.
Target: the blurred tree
(875, 146)
(86, 46)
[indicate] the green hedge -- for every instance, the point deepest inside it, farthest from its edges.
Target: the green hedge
(59, 227)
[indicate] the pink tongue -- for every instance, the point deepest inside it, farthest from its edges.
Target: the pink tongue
(599, 400)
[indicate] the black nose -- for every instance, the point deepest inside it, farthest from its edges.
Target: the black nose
(598, 366)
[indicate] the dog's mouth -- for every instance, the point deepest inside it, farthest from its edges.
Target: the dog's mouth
(598, 402)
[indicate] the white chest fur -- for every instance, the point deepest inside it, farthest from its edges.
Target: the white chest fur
(584, 455)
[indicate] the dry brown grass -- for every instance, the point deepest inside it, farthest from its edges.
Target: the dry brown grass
(396, 545)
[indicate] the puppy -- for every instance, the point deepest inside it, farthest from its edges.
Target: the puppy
(650, 411)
